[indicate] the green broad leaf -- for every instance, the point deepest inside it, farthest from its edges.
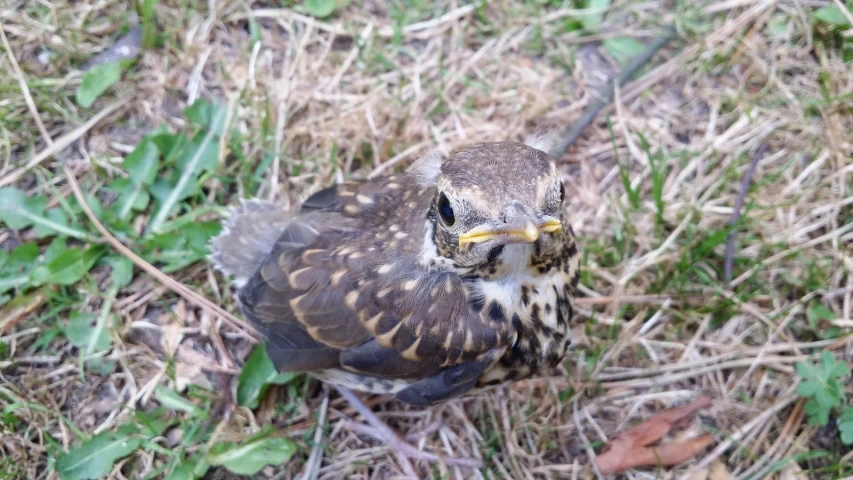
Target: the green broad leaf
(256, 376)
(174, 401)
(55, 222)
(96, 81)
(830, 15)
(823, 385)
(15, 267)
(191, 469)
(818, 415)
(141, 166)
(122, 270)
(81, 328)
(13, 202)
(207, 115)
(202, 154)
(21, 257)
(56, 248)
(320, 8)
(151, 424)
(183, 246)
(818, 311)
(623, 49)
(248, 457)
(19, 211)
(69, 267)
(593, 20)
(142, 163)
(169, 145)
(96, 456)
(101, 367)
(845, 426)
(130, 197)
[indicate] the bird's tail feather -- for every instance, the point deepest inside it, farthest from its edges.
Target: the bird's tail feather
(248, 235)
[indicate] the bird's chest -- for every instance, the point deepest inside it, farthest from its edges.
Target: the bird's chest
(541, 313)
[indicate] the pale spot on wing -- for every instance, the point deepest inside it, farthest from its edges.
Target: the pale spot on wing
(400, 235)
(411, 284)
(383, 269)
(351, 299)
(386, 338)
(308, 255)
(354, 209)
(336, 277)
(469, 341)
(448, 342)
(383, 292)
(373, 322)
(364, 199)
(411, 352)
(293, 278)
(294, 305)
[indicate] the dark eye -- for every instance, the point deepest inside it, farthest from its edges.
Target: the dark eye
(562, 192)
(445, 211)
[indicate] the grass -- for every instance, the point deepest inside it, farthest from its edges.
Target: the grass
(104, 371)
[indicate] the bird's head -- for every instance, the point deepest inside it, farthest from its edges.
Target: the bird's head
(497, 206)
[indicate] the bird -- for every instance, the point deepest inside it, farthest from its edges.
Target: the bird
(449, 278)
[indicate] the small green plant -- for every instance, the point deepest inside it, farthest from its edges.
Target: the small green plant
(823, 386)
(95, 456)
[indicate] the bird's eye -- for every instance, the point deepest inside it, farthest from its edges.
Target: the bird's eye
(445, 211)
(562, 192)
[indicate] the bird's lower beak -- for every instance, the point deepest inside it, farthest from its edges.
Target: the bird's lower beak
(516, 230)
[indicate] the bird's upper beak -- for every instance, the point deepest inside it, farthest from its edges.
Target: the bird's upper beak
(521, 225)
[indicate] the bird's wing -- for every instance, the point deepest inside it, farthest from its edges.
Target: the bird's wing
(322, 304)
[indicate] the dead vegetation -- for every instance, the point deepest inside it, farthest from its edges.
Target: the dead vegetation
(652, 187)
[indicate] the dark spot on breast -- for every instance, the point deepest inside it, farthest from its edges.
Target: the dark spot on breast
(572, 250)
(525, 295)
(535, 315)
(535, 346)
(495, 253)
(516, 323)
(548, 309)
(496, 312)
(561, 317)
(477, 302)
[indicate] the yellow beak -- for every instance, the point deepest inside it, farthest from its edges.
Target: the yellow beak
(525, 230)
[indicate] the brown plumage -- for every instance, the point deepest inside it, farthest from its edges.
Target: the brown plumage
(455, 275)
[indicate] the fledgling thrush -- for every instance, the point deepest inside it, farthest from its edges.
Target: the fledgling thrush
(427, 285)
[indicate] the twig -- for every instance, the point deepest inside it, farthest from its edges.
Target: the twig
(590, 452)
(312, 465)
(783, 402)
(741, 195)
(403, 449)
(606, 95)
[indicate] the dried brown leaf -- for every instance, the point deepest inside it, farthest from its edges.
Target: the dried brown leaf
(630, 448)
